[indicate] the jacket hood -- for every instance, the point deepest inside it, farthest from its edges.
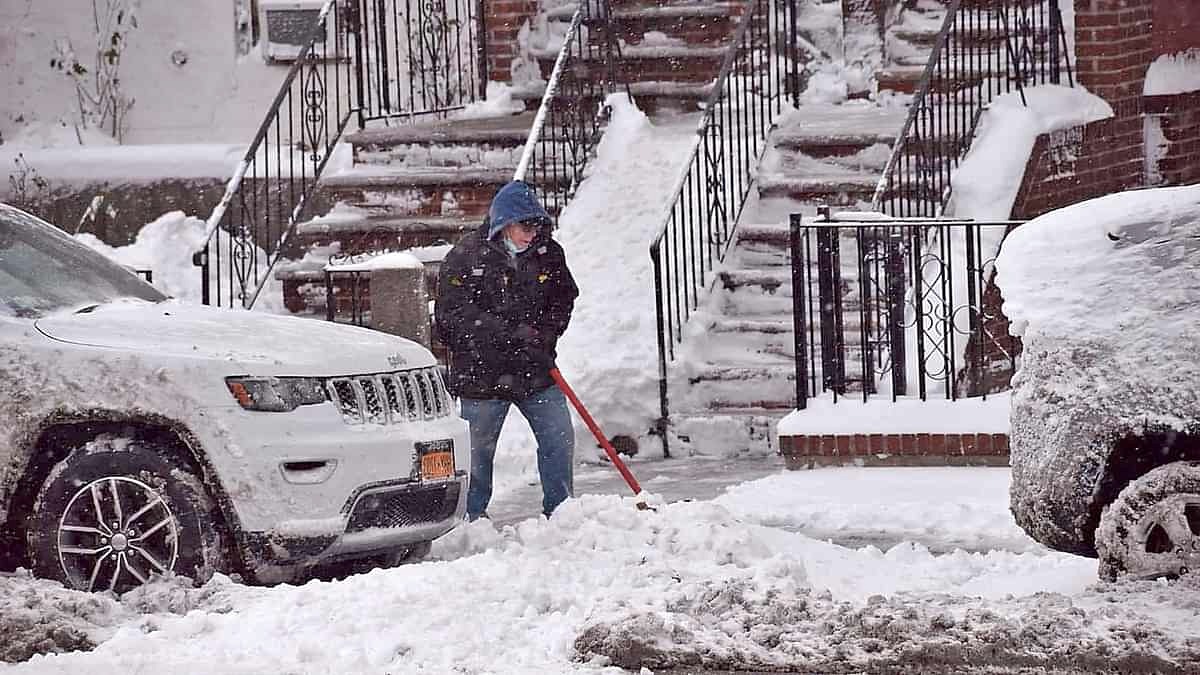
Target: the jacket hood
(514, 203)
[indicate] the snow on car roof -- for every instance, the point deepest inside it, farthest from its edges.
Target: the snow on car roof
(1107, 264)
(1105, 295)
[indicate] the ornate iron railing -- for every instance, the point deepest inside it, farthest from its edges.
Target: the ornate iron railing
(272, 184)
(574, 106)
(363, 60)
(420, 57)
(985, 48)
(897, 307)
(759, 73)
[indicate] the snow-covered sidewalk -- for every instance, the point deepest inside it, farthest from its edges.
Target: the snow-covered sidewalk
(725, 583)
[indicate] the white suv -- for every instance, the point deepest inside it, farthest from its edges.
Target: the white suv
(140, 435)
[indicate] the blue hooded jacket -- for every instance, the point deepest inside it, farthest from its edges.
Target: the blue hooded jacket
(514, 203)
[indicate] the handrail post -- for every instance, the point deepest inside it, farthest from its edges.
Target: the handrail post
(481, 47)
(1056, 26)
(799, 318)
(354, 18)
(660, 319)
(894, 273)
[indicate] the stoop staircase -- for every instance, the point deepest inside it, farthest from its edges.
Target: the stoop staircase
(425, 184)
(738, 380)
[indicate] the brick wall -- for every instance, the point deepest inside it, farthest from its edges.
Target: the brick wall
(1176, 121)
(800, 452)
(1114, 44)
(1116, 41)
(1071, 165)
(502, 21)
(1176, 25)
(991, 352)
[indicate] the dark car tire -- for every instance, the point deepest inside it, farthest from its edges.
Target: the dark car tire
(166, 520)
(1152, 529)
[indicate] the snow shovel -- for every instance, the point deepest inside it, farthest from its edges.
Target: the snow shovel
(608, 448)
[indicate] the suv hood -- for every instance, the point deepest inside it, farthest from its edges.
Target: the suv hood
(262, 344)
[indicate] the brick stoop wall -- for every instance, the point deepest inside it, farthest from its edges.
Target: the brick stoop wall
(1116, 41)
(1177, 118)
(1080, 163)
(803, 452)
(502, 21)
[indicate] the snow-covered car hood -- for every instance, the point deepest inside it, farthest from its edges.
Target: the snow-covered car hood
(263, 344)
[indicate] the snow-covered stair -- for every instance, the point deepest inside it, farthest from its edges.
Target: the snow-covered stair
(410, 186)
(738, 372)
(671, 50)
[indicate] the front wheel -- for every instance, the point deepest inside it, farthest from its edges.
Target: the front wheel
(1152, 529)
(115, 512)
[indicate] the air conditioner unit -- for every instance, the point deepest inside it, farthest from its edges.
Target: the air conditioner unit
(286, 26)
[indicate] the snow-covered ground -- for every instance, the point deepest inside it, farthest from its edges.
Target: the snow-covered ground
(753, 579)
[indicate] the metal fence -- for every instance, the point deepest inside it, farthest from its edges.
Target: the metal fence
(574, 106)
(985, 48)
(364, 60)
(278, 174)
(420, 57)
(758, 76)
(897, 307)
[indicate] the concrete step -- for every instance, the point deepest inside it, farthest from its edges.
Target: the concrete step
(657, 63)
(390, 192)
(373, 234)
(506, 130)
(773, 282)
(695, 24)
(713, 433)
(848, 189)
(653, 97)
(830, 130)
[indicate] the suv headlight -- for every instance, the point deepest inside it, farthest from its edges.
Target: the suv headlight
(276, 394)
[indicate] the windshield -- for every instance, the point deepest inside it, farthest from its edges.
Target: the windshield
(42, 270)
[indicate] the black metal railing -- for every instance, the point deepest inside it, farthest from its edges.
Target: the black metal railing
(985, 48)
(420, 57)
(759, 75)
(273, 183)
(574, 107)
(364, 60)
(897, 307)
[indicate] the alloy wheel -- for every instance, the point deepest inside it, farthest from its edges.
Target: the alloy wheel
(115, 533)
(1166, 539)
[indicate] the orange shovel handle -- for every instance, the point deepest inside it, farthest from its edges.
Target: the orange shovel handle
(591, 424)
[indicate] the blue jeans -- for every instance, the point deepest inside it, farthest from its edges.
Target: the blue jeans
(548, 416)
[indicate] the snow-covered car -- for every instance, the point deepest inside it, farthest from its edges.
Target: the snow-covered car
(1106, 403)
(141, 435)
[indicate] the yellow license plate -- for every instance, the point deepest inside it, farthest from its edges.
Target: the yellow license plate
(437, 465)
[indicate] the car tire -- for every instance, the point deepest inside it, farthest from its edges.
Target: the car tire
(1152, 529)
(116, 512)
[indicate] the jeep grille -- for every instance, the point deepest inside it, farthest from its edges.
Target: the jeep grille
(391, 398)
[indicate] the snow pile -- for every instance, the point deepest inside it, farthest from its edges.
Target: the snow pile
(985, 185)
(514, 605)
(497, 102)
(165, 247)
(1174, 74)
(850, 415)
(729, 625)
(40, 617)
(57, 162)
(602, 584)
(1105, 295)
(886, 507)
